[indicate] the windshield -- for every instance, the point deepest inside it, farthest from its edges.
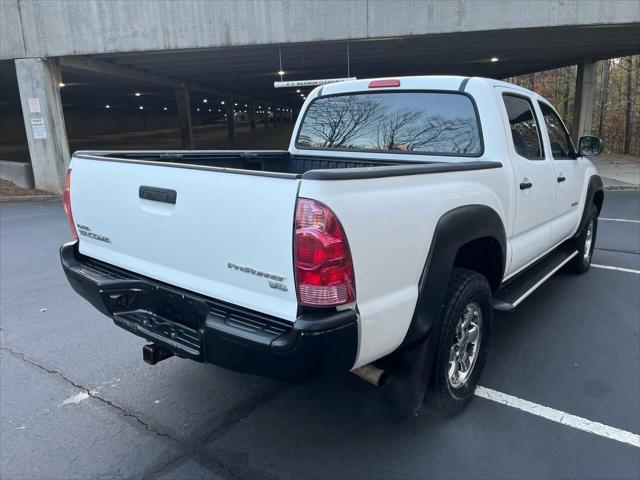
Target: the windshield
(418, 122)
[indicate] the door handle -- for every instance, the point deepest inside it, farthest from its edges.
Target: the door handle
(156, 194)
(561, 178)
(525, 185)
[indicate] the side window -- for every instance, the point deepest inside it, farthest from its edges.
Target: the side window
(524, 127)
(561, 146)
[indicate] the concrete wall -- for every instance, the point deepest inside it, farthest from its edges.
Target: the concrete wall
(11, 40)
(82, 123)
(17, 172)
(66, 27)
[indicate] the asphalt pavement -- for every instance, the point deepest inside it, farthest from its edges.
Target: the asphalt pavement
(78, 402)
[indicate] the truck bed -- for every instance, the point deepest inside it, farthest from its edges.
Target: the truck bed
(274, 161)
(280, 163)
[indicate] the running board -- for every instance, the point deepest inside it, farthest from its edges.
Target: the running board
(514, 291)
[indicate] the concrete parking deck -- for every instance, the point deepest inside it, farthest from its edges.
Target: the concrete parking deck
(77, 401)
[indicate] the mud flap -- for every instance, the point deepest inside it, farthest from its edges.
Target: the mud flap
(409, 374)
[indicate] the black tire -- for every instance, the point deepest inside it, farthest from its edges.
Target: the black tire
(582, 261)
(466, 288)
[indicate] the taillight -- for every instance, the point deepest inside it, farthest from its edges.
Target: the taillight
(66, 201)
(323, 266)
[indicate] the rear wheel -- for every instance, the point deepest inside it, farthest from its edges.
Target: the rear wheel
(585, 243)
(462, 344)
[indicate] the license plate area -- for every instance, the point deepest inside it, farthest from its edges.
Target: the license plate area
(162, 315)
(178, 338)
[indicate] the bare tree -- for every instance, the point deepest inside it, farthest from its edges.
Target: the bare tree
(604, 93)
(339, 121)
(629, 108)
(416, 130)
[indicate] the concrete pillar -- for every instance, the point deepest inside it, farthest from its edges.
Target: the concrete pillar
(183, 103)
(38, 81)
(584, 100)
(231, 120)
(252, 117)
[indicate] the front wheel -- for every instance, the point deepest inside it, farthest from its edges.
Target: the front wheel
(585, 244)
(462, 342)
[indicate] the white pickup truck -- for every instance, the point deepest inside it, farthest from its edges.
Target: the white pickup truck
(404, 212)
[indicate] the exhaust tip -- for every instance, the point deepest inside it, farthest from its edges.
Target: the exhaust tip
(372, 374)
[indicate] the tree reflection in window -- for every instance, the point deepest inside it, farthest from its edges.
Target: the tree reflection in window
(432, 123)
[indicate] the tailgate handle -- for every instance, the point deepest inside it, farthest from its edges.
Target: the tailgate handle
(156, 194)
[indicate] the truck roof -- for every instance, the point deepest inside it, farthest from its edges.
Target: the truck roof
(422, 82)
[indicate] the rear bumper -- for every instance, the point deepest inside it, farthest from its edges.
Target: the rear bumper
(208, 330)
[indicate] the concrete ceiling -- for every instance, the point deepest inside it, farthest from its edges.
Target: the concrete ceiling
(251, 71)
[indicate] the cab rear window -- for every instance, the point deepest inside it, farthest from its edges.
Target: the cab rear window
(434, 123)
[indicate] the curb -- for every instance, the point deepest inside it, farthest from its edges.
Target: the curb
(621, 188)
(30, 198)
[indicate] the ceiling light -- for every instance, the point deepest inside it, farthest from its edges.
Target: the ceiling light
(298, 91)
(62, 84)
(280, 72)
(197, 109)
(107, 106)
(204, 100)
(222, 102)
(140, 107)
(494, 59)
(137, 94)
(164, 108)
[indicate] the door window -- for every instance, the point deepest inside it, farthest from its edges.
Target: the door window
(561, 146)
(524, 127)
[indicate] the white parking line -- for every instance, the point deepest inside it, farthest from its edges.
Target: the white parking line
(619, 269)
(558, 416)
(619, 220)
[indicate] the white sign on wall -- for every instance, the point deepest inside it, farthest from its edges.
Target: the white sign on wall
(38, 128)
(34, 105)
(310, 83)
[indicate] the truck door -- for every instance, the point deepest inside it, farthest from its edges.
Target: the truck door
(568, 174)
(535, 180)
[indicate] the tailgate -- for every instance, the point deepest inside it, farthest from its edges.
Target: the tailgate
(227, 236)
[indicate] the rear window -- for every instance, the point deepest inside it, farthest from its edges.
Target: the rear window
(434, 123)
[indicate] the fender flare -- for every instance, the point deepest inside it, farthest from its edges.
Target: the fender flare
(454, 229)
(411, 364)
(595, 186)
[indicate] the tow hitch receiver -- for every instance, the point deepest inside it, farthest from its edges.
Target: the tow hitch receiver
(153, 353)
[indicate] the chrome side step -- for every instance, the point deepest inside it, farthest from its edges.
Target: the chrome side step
(513, 292)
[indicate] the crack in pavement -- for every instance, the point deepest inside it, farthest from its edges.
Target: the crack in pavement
(92, 394)
(228, 420)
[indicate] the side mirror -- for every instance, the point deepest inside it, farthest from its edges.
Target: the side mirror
(589, 146)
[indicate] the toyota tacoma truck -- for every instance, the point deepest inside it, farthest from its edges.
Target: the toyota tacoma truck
(405, 211)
